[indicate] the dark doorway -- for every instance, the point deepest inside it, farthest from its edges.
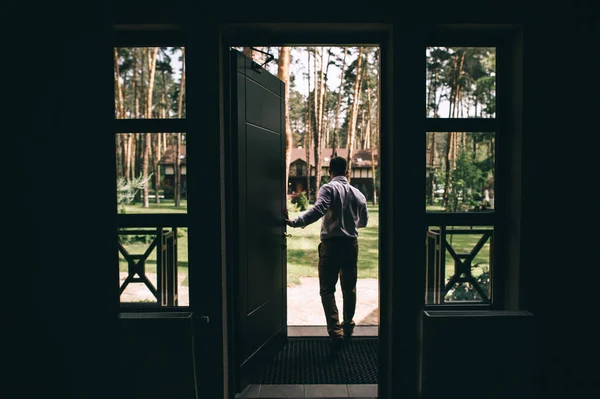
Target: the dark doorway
(257, 285)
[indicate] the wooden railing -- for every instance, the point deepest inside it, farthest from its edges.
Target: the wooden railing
(438, 282)
(165, 244)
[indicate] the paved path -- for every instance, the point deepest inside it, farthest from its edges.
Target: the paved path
(305, 309)
(304, 302)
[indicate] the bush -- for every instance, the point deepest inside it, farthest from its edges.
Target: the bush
(300, 200)
(466, 291)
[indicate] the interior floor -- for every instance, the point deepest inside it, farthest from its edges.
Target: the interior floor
(355, 391)
(321, 331)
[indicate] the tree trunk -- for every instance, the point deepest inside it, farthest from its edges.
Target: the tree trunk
(143, 87)
(152, 71)
(432, 158)
(376, 138)
(371, 141)
(131, 156)
(153, 151)
(445, 202)
(339, 102)
(354, 114)
(145, 167)
(323, 93)
(155, 166)
(134, 85)
(148, 114)
(307, 136)
(120, 112)
(283, 73)
(177, 160)
(316, 125)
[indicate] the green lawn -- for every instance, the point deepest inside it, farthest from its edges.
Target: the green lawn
(165, 206)
(303, 259)
(302, 256)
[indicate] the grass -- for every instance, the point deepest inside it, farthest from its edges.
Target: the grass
(303, 259)
(302, 256)
(165, 206)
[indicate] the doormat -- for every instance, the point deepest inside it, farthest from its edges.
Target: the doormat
(308, 361)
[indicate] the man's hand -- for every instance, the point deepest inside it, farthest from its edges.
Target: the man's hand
(286, 218)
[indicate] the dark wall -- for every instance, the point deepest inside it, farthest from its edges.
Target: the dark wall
(62, 284)
(62, 289)
(559, 126)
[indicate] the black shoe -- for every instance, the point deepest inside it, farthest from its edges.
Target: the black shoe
(348, 333)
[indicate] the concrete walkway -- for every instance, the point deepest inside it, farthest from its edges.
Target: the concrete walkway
(305, 309)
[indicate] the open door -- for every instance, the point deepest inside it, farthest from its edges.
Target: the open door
(256, 202)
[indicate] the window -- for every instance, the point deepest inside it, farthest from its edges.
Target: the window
(151, 181)
(462, 126)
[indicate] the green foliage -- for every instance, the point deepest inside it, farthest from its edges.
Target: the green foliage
(467, 292)
(469, 176)
(128, 239)
(300, 200)
(128, 189)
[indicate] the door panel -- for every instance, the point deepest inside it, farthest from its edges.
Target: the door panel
(257, 198)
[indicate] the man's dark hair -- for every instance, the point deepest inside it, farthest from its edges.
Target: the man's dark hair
(338, 166)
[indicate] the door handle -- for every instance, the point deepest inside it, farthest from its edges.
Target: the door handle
(202, 319)
(286, 235)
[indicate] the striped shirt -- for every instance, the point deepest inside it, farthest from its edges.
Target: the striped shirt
(343, 208)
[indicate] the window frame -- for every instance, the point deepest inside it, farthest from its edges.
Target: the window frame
(140, 36)
(500, 37)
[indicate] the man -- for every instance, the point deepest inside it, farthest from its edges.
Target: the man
(344, 211)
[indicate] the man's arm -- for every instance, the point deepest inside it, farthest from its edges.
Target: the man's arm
(363, 215)
(317, 211)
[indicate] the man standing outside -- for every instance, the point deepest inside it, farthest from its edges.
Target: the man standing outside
(344, 210)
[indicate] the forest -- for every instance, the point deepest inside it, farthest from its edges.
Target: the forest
(332, 96)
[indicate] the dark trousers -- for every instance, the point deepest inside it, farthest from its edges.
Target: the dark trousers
(338, 256)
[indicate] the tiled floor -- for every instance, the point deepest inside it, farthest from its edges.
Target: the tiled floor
(356, 391)
(321, 331)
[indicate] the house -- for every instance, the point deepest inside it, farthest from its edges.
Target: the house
(167, 171)
(361, 175)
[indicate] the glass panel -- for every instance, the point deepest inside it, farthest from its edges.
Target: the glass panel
(461, 82)
(459, 264)
(460, 171)
(145, 280)
(147, 173)
(155, 73)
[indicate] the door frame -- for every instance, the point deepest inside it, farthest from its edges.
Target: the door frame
(402, 308)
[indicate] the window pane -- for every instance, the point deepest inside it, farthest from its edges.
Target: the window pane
(155, 73)
(459, 171)
(459, 264)
(461, 82)
(148, 270)
(147, 174)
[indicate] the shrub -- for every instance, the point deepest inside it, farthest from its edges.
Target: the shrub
(300, 200)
